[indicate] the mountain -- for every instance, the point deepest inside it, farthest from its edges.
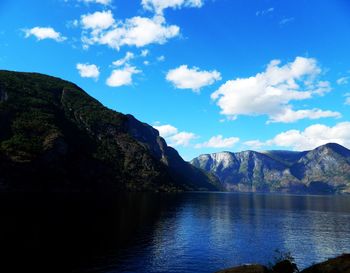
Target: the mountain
(325, 169)
(54, 136)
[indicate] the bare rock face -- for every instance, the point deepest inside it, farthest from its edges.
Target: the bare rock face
(325, 169)
(3, 94)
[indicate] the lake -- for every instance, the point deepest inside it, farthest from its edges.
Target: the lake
(185, 232)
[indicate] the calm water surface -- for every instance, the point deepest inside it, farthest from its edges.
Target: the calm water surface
(190, 232)
(204, 232)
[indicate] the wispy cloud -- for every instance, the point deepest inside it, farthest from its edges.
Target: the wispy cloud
(286, 21)
(159, 5)
(343, 80)
(264, 12)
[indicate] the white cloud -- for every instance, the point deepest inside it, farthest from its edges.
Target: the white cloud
(136, 31)
(286, 20)
(97, 21)
(144, 53)
(181, 139)
(120, 77)
(128, 56)
(254, 144)
(312, 137)
(72, 23)
(219, 142)
(161, 58)
(159, 5)
(42, 33)
(88, 70)
(103, 2)
(174, 137)
(166, 130)
(288, 115)
(347, 98)
(343, 80)
(272, 91)
(192, 78)
(264, 12)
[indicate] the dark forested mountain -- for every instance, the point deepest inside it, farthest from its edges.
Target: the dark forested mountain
(325, 169)
(54, 136)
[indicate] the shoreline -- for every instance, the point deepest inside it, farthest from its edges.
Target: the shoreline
(339, 264)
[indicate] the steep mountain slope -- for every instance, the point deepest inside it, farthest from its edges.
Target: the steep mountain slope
(54, 136)
(247, 171)
(325, 169)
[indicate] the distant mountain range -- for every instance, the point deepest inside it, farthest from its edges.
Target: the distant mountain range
(325, 169)
(55, 137)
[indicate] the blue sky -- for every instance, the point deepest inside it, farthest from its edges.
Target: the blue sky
(211, 75)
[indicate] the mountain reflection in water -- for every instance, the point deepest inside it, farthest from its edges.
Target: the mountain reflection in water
(187, 232)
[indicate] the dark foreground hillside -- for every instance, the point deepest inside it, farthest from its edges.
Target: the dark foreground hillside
(54, 136)
(340, 264)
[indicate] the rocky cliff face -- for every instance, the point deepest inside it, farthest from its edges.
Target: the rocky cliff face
(54, 136)
(325, 169)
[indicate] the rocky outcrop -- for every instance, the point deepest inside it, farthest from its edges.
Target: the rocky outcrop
(339, 264)
(254, 268)
(54, 136)
(325, 169)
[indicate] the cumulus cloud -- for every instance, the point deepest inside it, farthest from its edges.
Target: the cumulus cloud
(166, 130)
(97, 21)
(192, 78)
(159, 5)
(312, 137)
(272, 91)
(174, 137)
(128, 56)
(136, 31)
(181, 139)
(88, 70)
(343, 80)
(42, 33)
(218, 142)
(121, 77)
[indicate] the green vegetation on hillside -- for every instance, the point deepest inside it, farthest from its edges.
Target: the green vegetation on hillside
(55, 136)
